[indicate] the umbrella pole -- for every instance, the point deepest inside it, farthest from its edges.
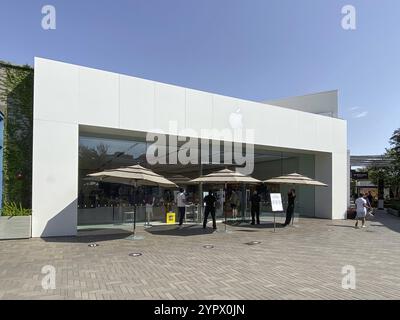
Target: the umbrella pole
(134, 213)
(226, 222)
(134, 219)
(133, 236)
(293, 217)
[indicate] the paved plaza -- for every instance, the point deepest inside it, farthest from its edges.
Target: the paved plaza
(304, 261)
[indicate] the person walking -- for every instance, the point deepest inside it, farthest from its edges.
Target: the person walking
(181, 203)
(290, 208)
(370, 201)
(210, 201)
(361, 207)
(255, 208)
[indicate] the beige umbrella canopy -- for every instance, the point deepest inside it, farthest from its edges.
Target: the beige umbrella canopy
(226, 176)
(295, 178)
(134, 175)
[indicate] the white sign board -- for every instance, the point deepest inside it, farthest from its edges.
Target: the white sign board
(276, 202)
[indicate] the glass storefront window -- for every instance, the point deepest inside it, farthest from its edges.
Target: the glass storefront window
(106, 203)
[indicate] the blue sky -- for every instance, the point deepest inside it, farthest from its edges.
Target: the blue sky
(253, 49)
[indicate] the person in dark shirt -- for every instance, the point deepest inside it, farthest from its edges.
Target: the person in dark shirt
(290, 208)
(255, 208)
(370, 198)
(209, 200)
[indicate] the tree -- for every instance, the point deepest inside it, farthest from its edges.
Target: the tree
(395, 143)
(391, 173)
(394, 153)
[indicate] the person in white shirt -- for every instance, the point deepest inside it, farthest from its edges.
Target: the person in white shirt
(361, 205)
(181, 202)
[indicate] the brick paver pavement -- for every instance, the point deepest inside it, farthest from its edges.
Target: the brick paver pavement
(303, 262)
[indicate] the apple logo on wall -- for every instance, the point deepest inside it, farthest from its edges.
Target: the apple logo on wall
(236, 119)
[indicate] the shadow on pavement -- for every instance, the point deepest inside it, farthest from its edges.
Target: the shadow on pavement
(92, 235)
(387, 220)
(185, 231)
(341, 225)
(247, 227)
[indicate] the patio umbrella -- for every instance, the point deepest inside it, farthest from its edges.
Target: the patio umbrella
(295, 179)
(226, 176)
(134, 176)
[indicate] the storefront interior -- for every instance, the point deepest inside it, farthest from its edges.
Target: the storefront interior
(106, 205)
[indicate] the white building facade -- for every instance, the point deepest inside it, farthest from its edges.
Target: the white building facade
(71, 100)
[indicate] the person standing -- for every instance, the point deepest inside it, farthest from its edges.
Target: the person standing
(149, 202)
(235, 202)
(255, 207)
(210, 201)
(290, 208)
(181, 203)
(361, 205)
(370, 198)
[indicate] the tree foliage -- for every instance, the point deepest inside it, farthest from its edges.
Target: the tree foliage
(390, 174)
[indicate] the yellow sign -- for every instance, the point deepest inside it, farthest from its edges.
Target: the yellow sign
(170, 217)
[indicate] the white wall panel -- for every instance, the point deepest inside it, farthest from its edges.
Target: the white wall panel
(339, 191)
(98, 98)
(136, 103)
(323, 195)
(169, 106)
(199, 110)
(56, 87)
(55, 179)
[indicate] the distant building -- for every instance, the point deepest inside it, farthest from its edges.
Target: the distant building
(322, 103)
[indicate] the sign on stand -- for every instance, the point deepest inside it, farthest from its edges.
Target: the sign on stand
(276, 204)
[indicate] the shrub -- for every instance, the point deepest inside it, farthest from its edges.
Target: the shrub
(12, 209)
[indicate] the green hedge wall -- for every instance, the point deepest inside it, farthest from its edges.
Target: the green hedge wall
(18, 129)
